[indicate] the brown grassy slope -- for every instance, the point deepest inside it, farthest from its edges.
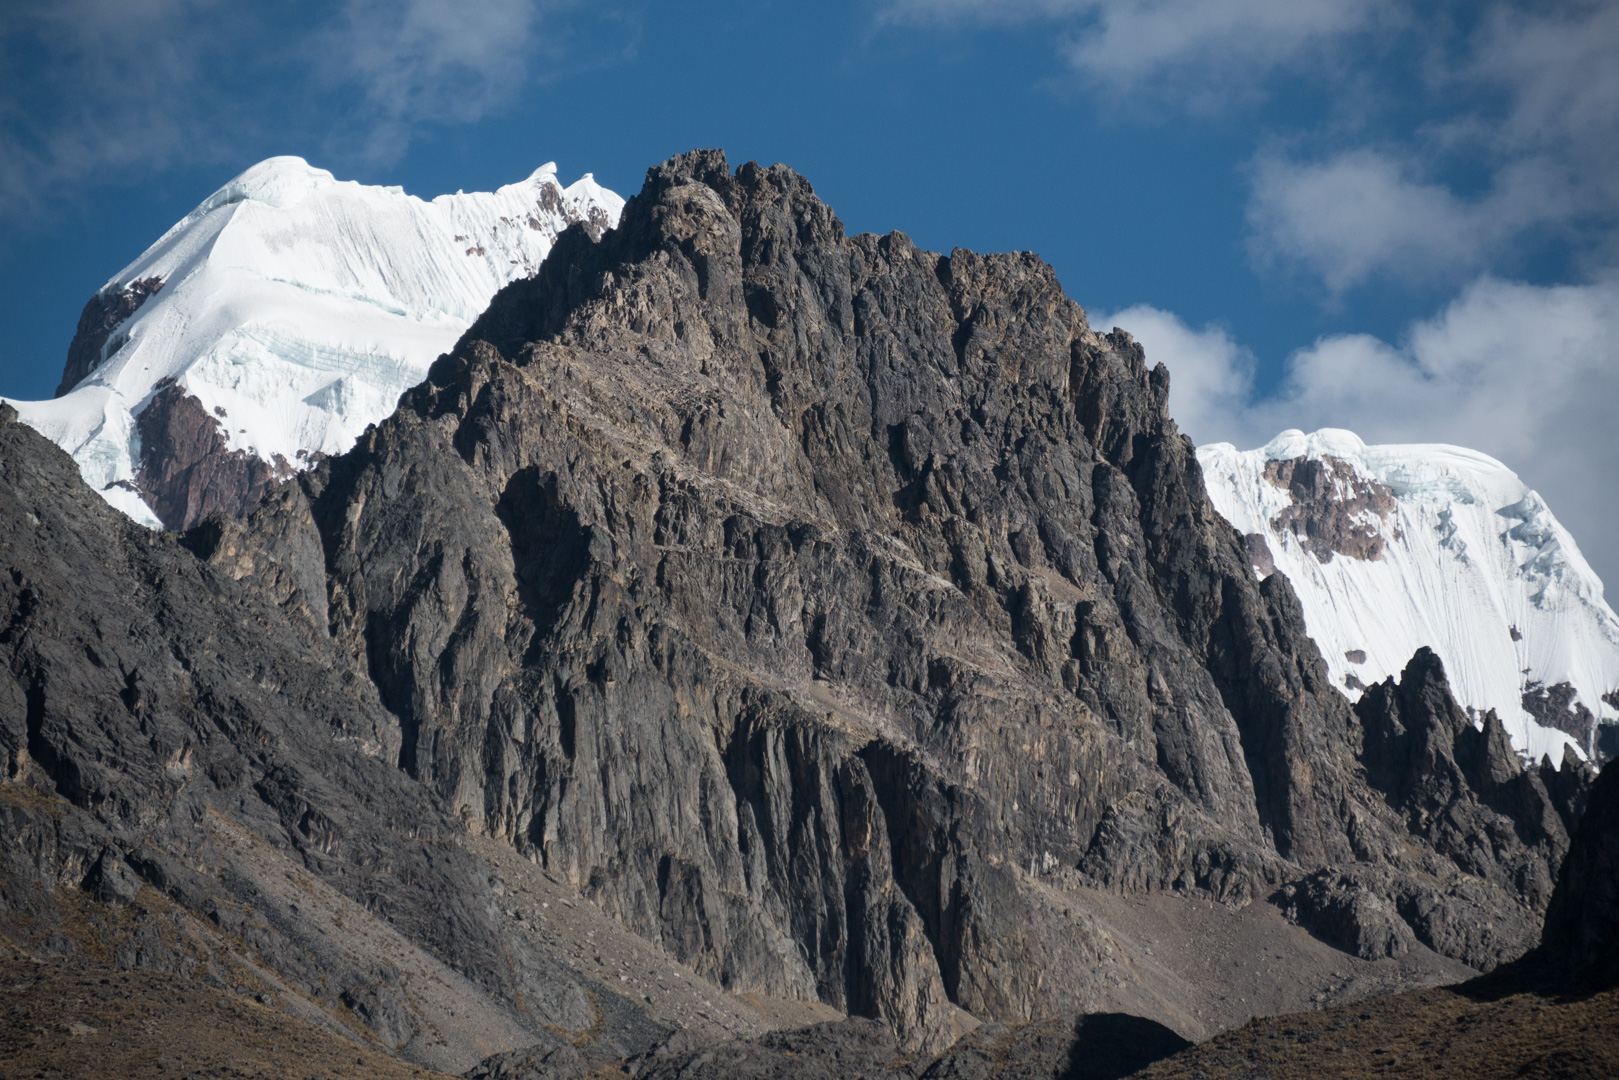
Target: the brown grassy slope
(66, 1019)
(1488, 1029)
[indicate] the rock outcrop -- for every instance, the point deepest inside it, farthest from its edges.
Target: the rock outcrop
(103, 314)
(1464, 790)
(824, 610)
(190, 782)
(1582, 926)
(1334, 510)
(899, 573)
(186, 470)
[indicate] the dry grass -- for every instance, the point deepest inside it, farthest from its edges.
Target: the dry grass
(75, 1019)
(1489, 1029)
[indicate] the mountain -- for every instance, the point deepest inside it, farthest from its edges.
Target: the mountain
(1392, 548)
(743, 627)
(279, 319)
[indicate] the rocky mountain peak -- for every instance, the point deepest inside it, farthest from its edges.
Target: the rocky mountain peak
(845, 623)
(277, 320)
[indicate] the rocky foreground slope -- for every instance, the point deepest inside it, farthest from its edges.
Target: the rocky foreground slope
(745, 624)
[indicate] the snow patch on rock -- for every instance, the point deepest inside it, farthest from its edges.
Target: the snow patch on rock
(1469, 561)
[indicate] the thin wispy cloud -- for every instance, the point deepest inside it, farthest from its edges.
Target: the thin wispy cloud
(1196, 53)
(423, 61)
(97, 91)
(90, 87)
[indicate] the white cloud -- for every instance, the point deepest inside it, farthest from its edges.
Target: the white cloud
(1211, 375)
(1208, 44)
(1530, 102)
(1362, 213)
(1528, 374)
(1198, 52)
(1524, 106)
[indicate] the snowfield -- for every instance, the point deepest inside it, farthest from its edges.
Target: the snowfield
(1472, 564)
(297, 308)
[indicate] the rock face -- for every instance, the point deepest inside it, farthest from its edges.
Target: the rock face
(191, 782)
(806, 599)
(821, 608)
(1334, 510)
(186, 471)
(103, 314)
(1582, 926)
(1463, 788)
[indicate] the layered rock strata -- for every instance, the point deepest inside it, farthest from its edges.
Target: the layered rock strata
(807, 599)
(821, 608)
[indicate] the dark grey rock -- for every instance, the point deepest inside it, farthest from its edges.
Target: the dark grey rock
(110, 880)
(1348, 913)
(1463, 789)
(1582, 923)
(103, 314)
(161, 725)
(1096, 1046)
(846, 1050)
(187, 470)
(549, 1059)
(802, 600)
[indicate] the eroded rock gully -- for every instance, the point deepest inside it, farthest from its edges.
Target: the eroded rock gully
(820, 607)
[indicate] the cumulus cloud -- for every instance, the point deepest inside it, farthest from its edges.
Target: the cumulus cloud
(1528, 374)
(1361, 213)
(1211, 375)
(1529, 102)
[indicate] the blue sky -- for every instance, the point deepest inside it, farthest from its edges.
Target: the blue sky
(1395, 217)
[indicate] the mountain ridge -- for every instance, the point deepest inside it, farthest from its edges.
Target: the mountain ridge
(836, 617)
(275, 321)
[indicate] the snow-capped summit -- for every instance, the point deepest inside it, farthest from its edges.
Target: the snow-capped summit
(277, 320)
(1394, 547)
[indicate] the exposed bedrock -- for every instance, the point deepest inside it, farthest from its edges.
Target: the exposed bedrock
(1334, 508)
(187, 471)
(193, 780)
(820, 607)
(806, 598)
(103, 314)
(1582, 925)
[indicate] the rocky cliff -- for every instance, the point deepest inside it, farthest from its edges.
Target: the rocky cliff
(1582, 925)
(832, 614)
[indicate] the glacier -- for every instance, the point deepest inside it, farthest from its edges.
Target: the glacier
(297, 308)
(1440, 546)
